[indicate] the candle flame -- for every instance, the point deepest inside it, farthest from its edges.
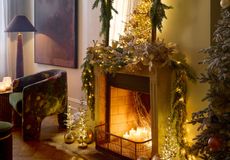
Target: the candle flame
(138, 135)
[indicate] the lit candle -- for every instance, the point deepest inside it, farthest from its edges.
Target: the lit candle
(132, 132)
(126, 135)
(138, 135)
(145, 133)
(2, 87)
(7, 85)
(7, 82)
(7, 79)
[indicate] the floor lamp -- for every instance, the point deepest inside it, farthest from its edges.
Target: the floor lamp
(20, 24)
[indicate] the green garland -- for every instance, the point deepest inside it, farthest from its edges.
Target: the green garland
(179, 112)
(114, 58)
(157, 13)
(175, 144)
(88, 85)
(105, 17)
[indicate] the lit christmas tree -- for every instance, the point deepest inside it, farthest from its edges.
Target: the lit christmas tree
(69, 137)
(139, 24)
(170, 147)
(69, 119)
(213, 142)
(82, 127)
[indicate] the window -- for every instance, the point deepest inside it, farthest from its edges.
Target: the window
(3, 57)
(117, 24)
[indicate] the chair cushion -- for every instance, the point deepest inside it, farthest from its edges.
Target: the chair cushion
(5, 128)
(15, 100)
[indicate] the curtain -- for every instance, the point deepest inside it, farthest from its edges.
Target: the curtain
(117, 24)
(8, 9)
(3, 38)
(8, 41)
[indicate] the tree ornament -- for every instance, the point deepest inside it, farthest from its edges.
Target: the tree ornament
(90, 136)
(225, 3)
(82, 126)
(82, 144)
(69, 137)
(215, 143)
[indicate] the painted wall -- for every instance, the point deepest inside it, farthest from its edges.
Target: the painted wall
(188, 25)
(88, 30)
(86, 34)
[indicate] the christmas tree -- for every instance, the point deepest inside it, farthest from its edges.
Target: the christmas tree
(82, 126)
(213, 140)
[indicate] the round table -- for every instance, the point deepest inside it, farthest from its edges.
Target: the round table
(5, 107)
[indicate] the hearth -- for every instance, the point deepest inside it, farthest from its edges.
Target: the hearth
(130, 110)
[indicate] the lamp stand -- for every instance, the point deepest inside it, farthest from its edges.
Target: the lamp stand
(19, 59)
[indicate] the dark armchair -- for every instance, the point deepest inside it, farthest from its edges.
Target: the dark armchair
(37, 96)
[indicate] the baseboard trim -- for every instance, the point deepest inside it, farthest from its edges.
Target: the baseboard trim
(77, 101)
(71, 99)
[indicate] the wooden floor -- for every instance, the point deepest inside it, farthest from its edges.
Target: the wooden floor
(38, 150)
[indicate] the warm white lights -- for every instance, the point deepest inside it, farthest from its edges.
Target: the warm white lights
(5, 85)
(141, 134)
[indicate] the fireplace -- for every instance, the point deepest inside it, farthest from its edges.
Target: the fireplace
(131, 112)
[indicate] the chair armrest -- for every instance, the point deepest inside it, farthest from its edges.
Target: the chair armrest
(45, 97)
(20, 83)
(14, 99)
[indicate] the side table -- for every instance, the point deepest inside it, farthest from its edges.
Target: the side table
(5, 107)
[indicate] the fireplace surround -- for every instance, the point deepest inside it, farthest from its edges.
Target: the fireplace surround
(109, 118)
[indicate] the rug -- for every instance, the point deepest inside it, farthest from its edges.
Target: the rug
(90, 153)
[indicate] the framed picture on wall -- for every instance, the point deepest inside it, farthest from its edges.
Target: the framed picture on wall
(56, 36)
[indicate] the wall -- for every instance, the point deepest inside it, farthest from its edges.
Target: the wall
(188, 25)
(88, 30)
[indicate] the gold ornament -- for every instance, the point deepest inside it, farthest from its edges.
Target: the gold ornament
(225, 3)
(69, 137)
(90, 136)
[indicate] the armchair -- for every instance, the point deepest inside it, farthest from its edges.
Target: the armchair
(37, 96)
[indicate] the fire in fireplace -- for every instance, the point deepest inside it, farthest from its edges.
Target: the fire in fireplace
(127, 116)
(140, 134)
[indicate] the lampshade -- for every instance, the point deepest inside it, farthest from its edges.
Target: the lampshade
(20, 23)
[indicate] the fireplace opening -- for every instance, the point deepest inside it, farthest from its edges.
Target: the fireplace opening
(127, 129)
(130, 114)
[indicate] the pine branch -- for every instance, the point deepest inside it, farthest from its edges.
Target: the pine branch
(95, 4)
(105, 17)
(157, 13)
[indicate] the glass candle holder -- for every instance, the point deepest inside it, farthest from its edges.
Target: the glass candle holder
(7, 82)
(2, 87)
